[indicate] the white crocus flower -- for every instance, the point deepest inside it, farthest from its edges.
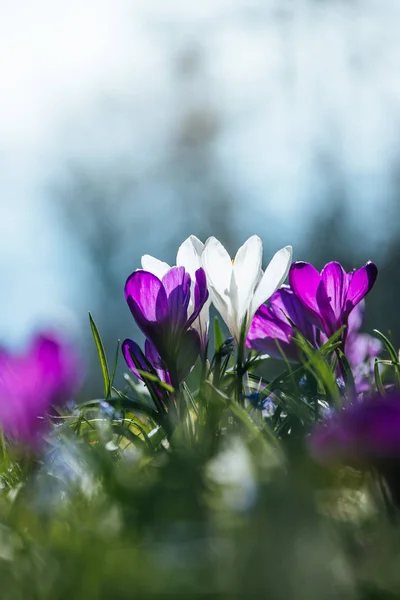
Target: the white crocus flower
(238, 287)
(188, 256)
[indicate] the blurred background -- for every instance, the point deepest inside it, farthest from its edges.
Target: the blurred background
(125, 126)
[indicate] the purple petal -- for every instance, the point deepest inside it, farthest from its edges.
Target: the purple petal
(58, 363)
(360, 347)
(330, 323)
(304, 280)
(336, 284)
(360, 284)
(284, 304)
(356, 319)
(155, 360)
(266, 330)
(176, 283)
(31, 383)
(147, 300)
(200, 294)
(366, 431)
(134, 356)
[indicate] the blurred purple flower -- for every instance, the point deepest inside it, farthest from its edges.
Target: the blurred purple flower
(365, 433)
(361, 350)
(332, 294)
(45, 375)
(271, 326)
(160, 309)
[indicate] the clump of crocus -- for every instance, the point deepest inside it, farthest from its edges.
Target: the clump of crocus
(161, 309)
(238, 287)
(331, 295)
(364, 434)
(45, 375)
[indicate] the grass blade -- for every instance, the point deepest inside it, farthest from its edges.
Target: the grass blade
(102, 358)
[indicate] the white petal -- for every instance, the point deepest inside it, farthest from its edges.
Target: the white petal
(234, 319)
(247, 272)
(155, 266)
(222, 304)
(189, 255)
(201, 324)
(275, 274)
(217, 265)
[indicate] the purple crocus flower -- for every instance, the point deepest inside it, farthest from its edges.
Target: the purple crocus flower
(160, 309)
(366, 433)
(30, 383)
(271, 326)
(332, 294)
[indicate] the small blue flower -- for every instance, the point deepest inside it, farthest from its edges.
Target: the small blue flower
(227, 347)
(268, 408)
(107, 409)
(255, 399)
(266, 405)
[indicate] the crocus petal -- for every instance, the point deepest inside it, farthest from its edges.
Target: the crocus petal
(156, 362)
(286, 305)
(200, 294)
(247, 273)
(189, 255)
(176, 283)
(234, 319)
(360, 284)
(58, 367)
(309, 287)
(201, 325)
(336, 284)
(304, 280)
(356, 319)
(133, 353)
(30, 384)
(360, 347)
(265, 330)
(275, 274)
(217, 265)
(365, 431)
(155, 266)
(218, 268)
(329, 321)
(146, 298)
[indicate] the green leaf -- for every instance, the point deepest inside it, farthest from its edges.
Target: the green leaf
(218, 337)
(115, 363)
(129, 435)
(389, 346)
(333, 342)
(393, 354)
(152, 377)
(102, 358)
(318, 367)
(378, 379)
(347, 372)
